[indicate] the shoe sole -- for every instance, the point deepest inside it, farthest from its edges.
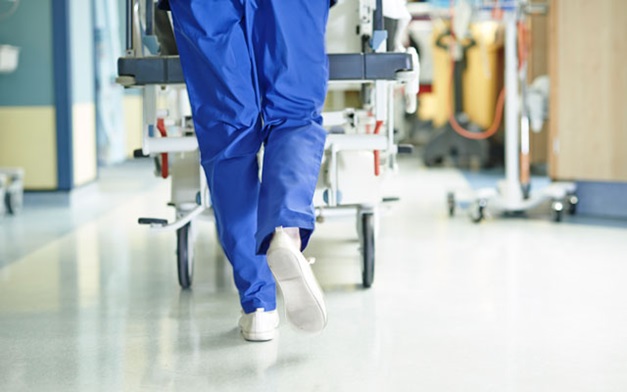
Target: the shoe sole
(259, 337)
(303, 297)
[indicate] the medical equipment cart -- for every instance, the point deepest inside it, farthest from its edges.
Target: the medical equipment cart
(513, 194)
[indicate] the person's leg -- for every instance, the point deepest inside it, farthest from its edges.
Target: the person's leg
(292, 66)
(219, 72)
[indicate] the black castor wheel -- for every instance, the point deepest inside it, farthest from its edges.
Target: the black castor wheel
(368, 248)
(185, 255)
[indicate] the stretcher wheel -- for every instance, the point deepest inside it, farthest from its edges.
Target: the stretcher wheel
(367, 251)
(477, 210)
(185, 255)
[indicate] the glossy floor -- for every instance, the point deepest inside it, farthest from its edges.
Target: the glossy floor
(506, 305)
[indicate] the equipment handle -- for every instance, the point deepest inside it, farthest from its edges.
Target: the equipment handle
(150, 17)
(129, 25)
(378, 16)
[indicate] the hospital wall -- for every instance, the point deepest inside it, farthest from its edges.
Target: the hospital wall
(47, 109)
(133, 99)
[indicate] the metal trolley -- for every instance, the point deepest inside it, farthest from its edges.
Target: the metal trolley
(168, 134)
(513, 194)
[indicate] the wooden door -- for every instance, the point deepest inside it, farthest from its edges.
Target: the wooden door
(588, 70)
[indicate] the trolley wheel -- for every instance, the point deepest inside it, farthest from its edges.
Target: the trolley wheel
(558, 210)
(367, 250)
(185, 255)
(572, 201)
(450, 200)
(477, 211)
(13, 202)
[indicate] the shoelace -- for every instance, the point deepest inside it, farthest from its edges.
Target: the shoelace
(311, 260)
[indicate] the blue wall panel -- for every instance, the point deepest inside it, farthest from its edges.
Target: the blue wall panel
(602, 199)
(63, 93)
(30, 28)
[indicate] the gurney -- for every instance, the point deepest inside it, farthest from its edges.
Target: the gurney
(151, 63)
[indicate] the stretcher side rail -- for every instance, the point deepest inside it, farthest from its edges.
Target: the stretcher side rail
(163, 70)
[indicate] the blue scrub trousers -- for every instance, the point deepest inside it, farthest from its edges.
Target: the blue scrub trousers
(256, 72)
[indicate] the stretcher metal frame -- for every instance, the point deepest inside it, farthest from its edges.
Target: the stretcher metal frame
(153, 72)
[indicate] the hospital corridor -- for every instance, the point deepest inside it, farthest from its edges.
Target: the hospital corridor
(510, 305)
(350, 195)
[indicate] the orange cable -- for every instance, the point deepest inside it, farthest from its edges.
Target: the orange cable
(164, 156)
(496, 122)
(377, 153)
(498, 116)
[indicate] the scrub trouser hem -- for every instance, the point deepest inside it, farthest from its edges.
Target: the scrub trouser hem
(264, 235)
(252, 305)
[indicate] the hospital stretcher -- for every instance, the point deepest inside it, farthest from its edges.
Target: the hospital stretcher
(355, 133)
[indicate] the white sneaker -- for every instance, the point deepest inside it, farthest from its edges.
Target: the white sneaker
(304, 300)
(259, 326)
